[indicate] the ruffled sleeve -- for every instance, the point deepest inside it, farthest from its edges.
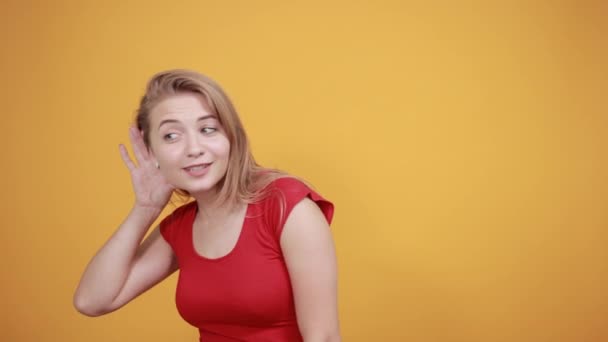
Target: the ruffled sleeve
(170, 225)
(285, 193)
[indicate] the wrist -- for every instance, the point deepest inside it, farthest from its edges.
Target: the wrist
(146, 212)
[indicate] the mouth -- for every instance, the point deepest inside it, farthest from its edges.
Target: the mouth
(197, 167)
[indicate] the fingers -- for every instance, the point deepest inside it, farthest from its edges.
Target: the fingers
(139, 148)
(125, 157)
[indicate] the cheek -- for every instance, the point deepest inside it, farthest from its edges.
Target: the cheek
(221, 148)
(167, 155)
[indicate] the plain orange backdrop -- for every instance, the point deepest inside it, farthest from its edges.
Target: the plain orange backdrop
(464, 146)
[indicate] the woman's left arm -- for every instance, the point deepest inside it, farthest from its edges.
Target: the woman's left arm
(310, 255)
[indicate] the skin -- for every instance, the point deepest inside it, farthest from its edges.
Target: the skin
(183, 133)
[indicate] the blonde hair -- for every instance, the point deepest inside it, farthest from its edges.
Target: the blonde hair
(244, 180)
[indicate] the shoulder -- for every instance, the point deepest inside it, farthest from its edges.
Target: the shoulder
(182, 211)
(288, 184)
(283, 194)
(291, 189)
(169, 224)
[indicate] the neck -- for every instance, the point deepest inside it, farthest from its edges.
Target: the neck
(208, 206)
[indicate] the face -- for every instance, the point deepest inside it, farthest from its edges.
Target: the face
(188, 142)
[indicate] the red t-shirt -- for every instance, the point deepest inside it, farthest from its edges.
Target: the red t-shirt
(245, 295)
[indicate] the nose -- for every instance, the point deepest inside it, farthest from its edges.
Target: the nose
(195, 146)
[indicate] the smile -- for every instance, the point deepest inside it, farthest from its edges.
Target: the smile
(197, 170)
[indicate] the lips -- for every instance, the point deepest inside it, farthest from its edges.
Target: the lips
(197, 169)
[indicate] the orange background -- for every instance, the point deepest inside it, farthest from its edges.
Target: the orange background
(464, 146)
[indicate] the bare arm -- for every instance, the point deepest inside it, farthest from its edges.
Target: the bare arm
(125, 267)
(309, 252)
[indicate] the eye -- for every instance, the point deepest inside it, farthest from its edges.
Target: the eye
(208, 130)
(170, 136)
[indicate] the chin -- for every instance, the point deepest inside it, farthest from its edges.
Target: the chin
(198, 188)
(208, 183)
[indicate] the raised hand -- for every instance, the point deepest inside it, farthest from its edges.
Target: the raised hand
(151, 188)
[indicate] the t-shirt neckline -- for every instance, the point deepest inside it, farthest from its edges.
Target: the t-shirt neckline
(227, 255)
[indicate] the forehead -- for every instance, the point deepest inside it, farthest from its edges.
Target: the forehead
(180, 106)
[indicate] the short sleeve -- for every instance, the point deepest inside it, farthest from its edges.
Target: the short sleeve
(285, 193)
(169, 226)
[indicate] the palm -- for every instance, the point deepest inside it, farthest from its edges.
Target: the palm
(150, 186)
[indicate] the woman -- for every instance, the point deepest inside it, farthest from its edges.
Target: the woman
(254, 249)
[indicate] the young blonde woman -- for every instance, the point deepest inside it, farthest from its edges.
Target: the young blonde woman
(254, 250)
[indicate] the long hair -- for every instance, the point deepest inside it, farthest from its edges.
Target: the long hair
(244, 180)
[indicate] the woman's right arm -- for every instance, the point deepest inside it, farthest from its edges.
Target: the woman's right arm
(125, 267)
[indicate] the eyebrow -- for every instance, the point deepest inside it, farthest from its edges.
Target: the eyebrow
(202, 118)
